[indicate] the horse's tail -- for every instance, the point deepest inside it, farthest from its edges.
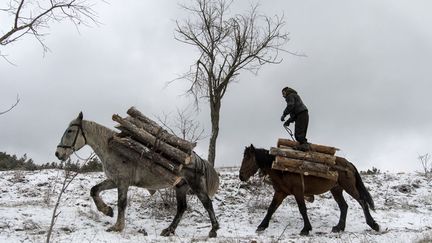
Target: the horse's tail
(212, 179)
(209, 173)
(364, 193)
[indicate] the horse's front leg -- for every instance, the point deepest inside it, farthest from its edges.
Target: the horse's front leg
(181, 190)
(100, 204)
(121, 206)
(303, 211)
(278, 197)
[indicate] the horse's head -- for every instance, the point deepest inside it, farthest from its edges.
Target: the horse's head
(72, 140)
(249, 164)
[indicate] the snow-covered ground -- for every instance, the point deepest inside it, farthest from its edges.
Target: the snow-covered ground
(403, 210)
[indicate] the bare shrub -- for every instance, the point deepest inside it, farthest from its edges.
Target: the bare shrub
(260, 188)
(18, 176)
(426, 238)
(426, 163)
(373, 171)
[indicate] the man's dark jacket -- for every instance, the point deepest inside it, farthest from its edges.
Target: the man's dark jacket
(294, 104)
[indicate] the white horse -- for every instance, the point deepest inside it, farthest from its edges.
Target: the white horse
(121, 173)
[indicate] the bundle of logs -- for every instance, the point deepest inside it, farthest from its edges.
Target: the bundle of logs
(143, 141)
(316, 162)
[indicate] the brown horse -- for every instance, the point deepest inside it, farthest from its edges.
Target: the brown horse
(287, 183)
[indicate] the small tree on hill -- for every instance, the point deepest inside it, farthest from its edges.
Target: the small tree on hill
(226, 45)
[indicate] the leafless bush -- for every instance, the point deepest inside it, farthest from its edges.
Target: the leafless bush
(426, 238)
(160, 204)
(426, 163)
(18, 176)
(261, 190)
(168, 197)
(49, 192)
(373, 171)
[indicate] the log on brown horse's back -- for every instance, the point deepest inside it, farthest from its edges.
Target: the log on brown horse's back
(288, 183)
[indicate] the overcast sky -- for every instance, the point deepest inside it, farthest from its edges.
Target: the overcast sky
(366, 79)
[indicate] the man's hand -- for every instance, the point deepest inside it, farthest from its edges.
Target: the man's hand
(287, 123)
(283, 118)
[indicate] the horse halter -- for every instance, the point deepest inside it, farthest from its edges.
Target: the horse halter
(80, 128)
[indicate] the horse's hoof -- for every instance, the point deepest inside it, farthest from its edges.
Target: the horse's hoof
(304, 232)
(260, 229)
(375, 226)
(212, 234)
(337, 229)
(167, 232)
(114, 229)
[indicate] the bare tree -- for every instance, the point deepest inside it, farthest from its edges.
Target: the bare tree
(183, 125)
(227, 45)
(12, 106)
(33, 18)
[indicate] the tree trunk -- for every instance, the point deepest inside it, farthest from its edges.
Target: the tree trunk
(215, 115)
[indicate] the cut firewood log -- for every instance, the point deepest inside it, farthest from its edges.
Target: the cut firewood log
(282, 142)
(151, 141)
(304, 167)
(146, 152)
(141, 121)
(136, 157)
(308, 156)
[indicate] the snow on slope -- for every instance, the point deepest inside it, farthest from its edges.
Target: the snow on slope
(403, 209)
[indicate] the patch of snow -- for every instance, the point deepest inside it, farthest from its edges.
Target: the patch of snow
(403, 204)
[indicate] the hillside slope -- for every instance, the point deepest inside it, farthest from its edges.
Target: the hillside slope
(403, 210)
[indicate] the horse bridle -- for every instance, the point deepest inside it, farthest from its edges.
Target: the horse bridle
(80, 128)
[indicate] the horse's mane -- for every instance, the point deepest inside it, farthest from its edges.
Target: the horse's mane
(263, 158)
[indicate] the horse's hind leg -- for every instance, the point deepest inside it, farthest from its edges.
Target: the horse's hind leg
(303, 211)
(181, 190)
(278, 197)
(100, 204)
(121, 206)
(369, 220)
(343, 206)
(208, 205)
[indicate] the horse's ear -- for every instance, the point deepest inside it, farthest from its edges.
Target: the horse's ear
(80, 116)
(252, 147)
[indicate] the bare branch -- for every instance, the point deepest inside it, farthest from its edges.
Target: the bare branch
(69, 177)
(13, 106)
(183, 125)
(33, 18)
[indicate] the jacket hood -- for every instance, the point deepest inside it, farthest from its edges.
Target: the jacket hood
(290, 91)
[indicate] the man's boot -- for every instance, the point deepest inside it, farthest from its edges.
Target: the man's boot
(303, 147)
